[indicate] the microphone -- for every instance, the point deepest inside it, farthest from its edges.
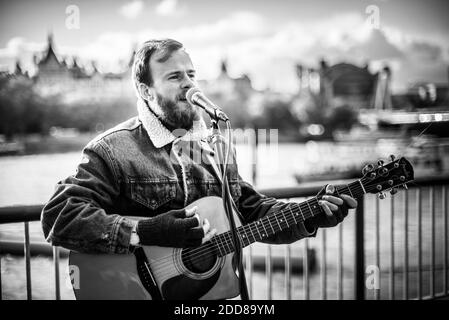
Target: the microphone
(195, 97)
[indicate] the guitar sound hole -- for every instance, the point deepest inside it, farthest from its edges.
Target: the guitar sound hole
(199, 259)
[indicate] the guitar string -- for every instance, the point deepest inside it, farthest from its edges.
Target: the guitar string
(199, 253)
(206, 250)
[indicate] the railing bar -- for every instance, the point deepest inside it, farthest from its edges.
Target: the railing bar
(323, 268)
(250, 271)
(288, 271)
(27, 260)
(391, 248)
(340, 263)
(432, 247)
(56, 266)
(419, 211)
(305, 264)
(444, 209)
(269, 273)
(359, 282)
(1, 278)
(405, 245)
(288, 291)
(377, 246)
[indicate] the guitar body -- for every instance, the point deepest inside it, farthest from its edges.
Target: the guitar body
(178, 276)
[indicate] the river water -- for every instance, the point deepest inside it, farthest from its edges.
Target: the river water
(27, 180)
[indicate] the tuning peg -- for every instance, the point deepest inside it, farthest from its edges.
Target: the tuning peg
(393, 191)
(367, 168)
(392, 157)
(382, 195)
(383, 171)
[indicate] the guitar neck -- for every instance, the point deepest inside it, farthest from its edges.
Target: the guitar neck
(283, 219)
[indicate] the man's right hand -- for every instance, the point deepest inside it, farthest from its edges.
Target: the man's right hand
(176, 228)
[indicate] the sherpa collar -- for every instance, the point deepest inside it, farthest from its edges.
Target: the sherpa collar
(160, 135)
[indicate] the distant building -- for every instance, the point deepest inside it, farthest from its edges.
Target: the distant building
(55, 75)
(346, 84)
(236, 96)
(226, 86)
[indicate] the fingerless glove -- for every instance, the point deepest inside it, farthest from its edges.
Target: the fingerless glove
(170, 229)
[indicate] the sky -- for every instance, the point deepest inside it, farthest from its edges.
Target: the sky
(264, 39)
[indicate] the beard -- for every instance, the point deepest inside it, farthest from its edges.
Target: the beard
(176, 116)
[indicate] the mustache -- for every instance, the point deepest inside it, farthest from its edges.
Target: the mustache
(182, 96)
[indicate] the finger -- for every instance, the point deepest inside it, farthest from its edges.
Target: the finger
(191, 211)
(209, 235)
(191, 222)
(330, 205)
(330, 189)
(335, 200)
(197, 217)
(196, 233)
(206, 226)
(350, 201)
(339, 215)
(326, 209)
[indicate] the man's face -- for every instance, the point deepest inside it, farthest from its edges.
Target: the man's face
(171, 80)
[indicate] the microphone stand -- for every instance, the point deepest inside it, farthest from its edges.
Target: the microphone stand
(228, 202)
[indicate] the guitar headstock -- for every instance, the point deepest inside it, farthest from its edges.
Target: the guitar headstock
(396, 173)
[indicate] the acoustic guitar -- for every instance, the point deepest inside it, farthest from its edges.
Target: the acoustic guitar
(208, 272)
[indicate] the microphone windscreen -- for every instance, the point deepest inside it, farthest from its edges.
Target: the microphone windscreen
(190, 94)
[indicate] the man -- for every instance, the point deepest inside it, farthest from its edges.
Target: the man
(139, 169)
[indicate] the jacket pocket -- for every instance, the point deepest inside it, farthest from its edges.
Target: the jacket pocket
(152, 193)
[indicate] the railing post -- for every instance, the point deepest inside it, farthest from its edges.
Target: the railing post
(269, 273)
(56, 265)
(27, 260)
(323, 268)
(359, 251)
(249, 262)
(305, 265)
(288, 271)
(0, 278)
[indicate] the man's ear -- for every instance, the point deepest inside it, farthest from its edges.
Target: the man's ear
(146, 93)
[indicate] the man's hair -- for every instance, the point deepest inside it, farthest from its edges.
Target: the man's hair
(141, 72)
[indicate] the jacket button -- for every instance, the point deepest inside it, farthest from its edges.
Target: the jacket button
(153, 202)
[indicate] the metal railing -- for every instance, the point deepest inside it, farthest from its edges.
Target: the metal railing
(437, 274)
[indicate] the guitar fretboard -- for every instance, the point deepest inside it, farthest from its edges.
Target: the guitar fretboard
(283, 219)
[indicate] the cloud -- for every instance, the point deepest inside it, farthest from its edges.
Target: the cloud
(268, 52)
(423, 51)
(376, 47)
(131, 9)
(169, 8)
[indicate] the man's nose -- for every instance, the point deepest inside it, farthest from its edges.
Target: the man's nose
(187, 83)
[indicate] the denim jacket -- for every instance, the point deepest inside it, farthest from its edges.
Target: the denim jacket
(139, 168)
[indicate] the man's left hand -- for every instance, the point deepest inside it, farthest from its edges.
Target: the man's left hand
(335, 209)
